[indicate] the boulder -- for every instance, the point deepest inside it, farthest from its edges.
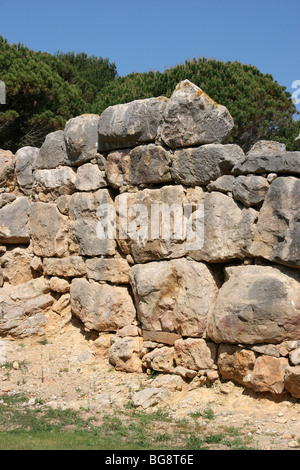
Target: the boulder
(48, 230)
(269, 374)
(181, 303)
(53, 151)
(195, 354)
(256, 304)
(150, 397)
(86, 211)
(114, 270)
(224, 184)
(16, 266)
(59, 285)
(292, 380)
(158, 224)
(160, 360)
(236, 363)
(25, 165)
(277, 233)
(201, 165)
(14, 222)
(81, 136)
(286, 163)
(6, 198)
(124, 354)
(192, 118)
(90, 178)
(7, 169)
(130, 124)
(49, 185)
(267, 146)
(102, 307)
(150, 164)
(118, 168)
(250, 190)
(68, 267)
(228, 229)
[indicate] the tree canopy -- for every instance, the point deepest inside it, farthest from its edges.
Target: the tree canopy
(43, 91)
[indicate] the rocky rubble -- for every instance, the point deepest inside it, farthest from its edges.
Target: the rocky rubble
(177, 251)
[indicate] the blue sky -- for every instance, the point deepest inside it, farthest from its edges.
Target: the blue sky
(142, 35)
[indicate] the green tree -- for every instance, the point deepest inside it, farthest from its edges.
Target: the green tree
(260, 107)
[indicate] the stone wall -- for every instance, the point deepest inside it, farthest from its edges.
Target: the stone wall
(225, 308)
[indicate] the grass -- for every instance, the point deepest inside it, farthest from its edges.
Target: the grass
(39, 427)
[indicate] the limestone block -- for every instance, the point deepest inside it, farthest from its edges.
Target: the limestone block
(250, 190)
(7, 169)
(81, 136)
(268, 374)
(49, 185)
(236, 363)
(53, 151)
(71, 266)
(14, 222)
(25, 166)
(195, 354)
(90, 178)
(114, 270)
(124, 354)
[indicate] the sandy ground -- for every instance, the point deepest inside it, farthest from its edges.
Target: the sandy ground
(66, 371)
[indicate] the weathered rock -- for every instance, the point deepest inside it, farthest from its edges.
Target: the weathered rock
(71, 266)
(6, 198)
(292, 381)
(25, 166)
(81, 135)
(295, 357)
(85, 210)
(195, 354)
(22, 309)
(49, 185)
(159, 223)
(128, 330)
(287, 163)
(59, 285)
(150, 164)
(114, 270)
(192, 118)
(181, 303)
(278, 228)
(250, 190)
(184, 372)
(16, 266)
(53, 152)
(127, 125)
(228, 229)
(102, 307)
(48, 230)
(7, 170)
(201, 165)
(266, 349)
(236, 363)
(150, 397)
(1, 277)
(268, 374)
(169, 381)
(14, 221)
(118, 168)
(267, 146)
(124, 354)
(256, 304)
(160, 360)
(160, 337)
(90, 178)
(224, 184)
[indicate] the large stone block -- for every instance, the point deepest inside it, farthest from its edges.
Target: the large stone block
(48, 230)
(16, 266)
(250, 190)
(236, 363)
(181, 303)
(25, 165)
(50, 184)
(201, 165)
(287, 163)
(86, 211)
(81, 136)
(102, 307)
(90, 178)
(124, 354)
(114, 270)
(127, 125)
(195, 354)
(277, 234)
(7, 169)
(53, 152)
(71, 266)
(256, 304)
(14, 222)
(192, 118)
(292, 380)
(268, 374)
(150, 164)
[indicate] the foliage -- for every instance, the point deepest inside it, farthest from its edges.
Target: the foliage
(43, 91)
(260, 107)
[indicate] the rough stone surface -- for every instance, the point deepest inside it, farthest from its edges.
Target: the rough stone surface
(150, 164)
(224, 184)
(292, 380)
(160, 360)
(102, 307)
(250, 190)
(126, 125)
(6, 198)
(53, 152)
(182, 303)
(192, 118)
(256, 304)
(49, 185)
(201, 165)
(277, 232)
(14, 222)
(7, 169)
(114, 270)
(267, 146)
(150, 397)
(48, 230)
(268, 374)
(72, 266)
(118, 168)
(81, 136)
(236, 363)
(25, 165)
(124, 354)
(195, 354)
(16, 266)
(90, 178)
(282, 163)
